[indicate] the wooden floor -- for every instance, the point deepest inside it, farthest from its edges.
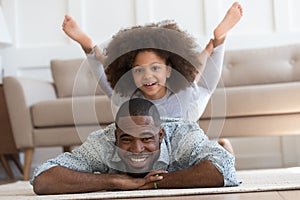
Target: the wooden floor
(6, 181)
(275, 195)
(280, 195)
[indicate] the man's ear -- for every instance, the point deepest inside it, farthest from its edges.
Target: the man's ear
(161, 135)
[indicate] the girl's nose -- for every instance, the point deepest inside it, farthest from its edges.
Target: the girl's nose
(147, 73)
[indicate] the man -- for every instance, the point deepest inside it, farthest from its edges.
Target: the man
(139, 151)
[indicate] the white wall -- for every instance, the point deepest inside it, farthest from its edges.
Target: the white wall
(35, 27)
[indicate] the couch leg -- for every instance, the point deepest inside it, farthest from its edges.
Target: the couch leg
(27, 163)
(6, 166)
(67, 149)
(16, 159)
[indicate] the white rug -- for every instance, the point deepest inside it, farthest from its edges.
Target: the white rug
(252, 181)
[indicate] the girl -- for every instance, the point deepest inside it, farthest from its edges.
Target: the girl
(159, 62)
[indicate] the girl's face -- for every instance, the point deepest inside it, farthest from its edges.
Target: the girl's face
(150, 74)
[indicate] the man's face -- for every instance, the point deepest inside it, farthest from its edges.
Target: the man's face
(138, 141)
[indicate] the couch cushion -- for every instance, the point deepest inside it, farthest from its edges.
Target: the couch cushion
(268, 99)
(265, 125)
(89, 110)
(74, 78)
(262, 66)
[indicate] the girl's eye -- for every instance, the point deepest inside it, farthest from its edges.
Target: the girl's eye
(137, 70)
(155, 68)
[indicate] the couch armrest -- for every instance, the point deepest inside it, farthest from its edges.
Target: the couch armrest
(20, 94)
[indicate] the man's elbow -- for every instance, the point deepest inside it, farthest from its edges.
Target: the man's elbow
(39, 187)
(42, 185)
(216, 177)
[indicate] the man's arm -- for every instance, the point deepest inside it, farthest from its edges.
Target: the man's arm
(203, 174)
(195, 160)
(74, 172)
(61, 180)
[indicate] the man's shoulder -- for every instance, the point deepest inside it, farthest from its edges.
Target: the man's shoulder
(107, 132)
(180, 127)
(167, 121)
(182, 136)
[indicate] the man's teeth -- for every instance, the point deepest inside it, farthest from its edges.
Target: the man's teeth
(138, 159)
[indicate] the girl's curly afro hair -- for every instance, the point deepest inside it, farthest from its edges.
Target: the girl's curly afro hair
(166, 40)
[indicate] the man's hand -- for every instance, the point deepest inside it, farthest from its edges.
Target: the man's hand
(126, 182)
(151, 178)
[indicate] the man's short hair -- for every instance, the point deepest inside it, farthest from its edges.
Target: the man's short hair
(138, 107)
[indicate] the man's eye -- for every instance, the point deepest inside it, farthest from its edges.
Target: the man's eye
(147, 139)
(126, 140)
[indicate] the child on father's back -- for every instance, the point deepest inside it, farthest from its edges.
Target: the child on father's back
(146, 56)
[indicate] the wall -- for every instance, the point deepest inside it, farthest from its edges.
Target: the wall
(35, 27)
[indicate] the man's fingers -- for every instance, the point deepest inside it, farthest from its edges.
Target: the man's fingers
(151, 179)
(154, 172)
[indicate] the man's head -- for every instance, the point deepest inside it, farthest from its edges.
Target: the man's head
(138, 135)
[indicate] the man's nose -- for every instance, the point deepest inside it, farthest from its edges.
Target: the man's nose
(137, 146)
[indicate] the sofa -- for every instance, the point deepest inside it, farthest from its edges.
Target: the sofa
(261, 91)
(43, 114)
(258, 95)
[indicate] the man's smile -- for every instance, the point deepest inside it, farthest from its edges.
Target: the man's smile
(138, 158)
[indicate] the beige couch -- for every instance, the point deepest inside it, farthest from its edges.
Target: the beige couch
(262, 90)
(259, 94)
(43, 113)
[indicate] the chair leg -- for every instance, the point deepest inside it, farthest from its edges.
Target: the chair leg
(16, 159)
(6, 166)
(27, 163)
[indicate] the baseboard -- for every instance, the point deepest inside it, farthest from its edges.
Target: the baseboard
(258, 161)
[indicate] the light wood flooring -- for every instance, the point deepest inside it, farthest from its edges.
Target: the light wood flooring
(274, 195)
